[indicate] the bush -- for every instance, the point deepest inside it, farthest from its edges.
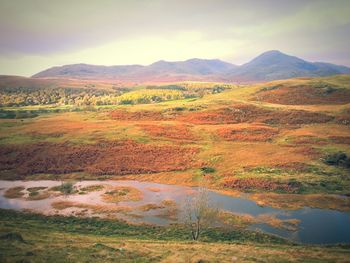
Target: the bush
(66, 188)
(207, 169)
(338, 159)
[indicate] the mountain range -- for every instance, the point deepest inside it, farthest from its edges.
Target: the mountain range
(271, 65)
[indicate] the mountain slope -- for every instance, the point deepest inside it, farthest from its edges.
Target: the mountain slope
(274, 65)
(192, 69)
(271, 65)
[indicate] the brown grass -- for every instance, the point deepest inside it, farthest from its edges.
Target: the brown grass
(303, 95)
(176, 132)
(14, 192)
(272, 220)
(150, 206)
(340, 139)
(251, 133)
(36, 189)
(122, 193)
(137, 116)
(38, 195)
(240, 113)
(104, 209)
(234, 220)
(295, 201)
(250, 184)
(170, 211)
(92, 188)
(125, 157)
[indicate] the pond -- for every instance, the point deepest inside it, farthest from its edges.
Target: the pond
(145, 202)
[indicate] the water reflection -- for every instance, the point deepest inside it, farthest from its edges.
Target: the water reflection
(316, 225)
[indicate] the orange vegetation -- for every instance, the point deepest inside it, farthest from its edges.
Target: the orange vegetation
(61, 205)
(122, 157)
(303, 95)
(137, 116)
(298, 201)
(248, 184)
(340, 139)
(252, 133)
(177, 132)
(122, 193)
(240, 113)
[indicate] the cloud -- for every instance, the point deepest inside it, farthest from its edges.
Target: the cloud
(38, 33)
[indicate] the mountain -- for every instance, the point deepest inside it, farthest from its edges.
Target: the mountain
(194, 69)
(87, 71)
(271, 65)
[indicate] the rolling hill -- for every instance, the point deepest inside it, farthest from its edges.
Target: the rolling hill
(271, 65)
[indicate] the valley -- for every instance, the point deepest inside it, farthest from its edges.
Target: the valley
(275, 157)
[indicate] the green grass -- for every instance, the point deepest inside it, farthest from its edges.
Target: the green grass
(113, 228)
(34, 238)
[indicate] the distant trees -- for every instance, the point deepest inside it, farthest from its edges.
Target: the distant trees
(90, 95)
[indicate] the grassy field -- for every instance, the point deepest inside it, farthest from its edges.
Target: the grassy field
(290, 142)
(35, 238)
(286, 142)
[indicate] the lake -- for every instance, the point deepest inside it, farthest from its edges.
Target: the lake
(316, 226)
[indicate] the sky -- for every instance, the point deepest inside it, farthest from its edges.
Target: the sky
(39, 34)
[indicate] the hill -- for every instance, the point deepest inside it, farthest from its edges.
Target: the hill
(282, 145)
(194, 69)
(271, 65)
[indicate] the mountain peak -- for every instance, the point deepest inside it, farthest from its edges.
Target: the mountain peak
(273, 52)
(270, 65)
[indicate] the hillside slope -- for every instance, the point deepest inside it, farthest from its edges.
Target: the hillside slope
(271, 65)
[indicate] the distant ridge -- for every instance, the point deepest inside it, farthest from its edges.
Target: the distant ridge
(270, 65)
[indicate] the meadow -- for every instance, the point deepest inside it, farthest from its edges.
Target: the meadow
(287, 143)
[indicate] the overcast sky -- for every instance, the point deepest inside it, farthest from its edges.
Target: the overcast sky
(38, 34)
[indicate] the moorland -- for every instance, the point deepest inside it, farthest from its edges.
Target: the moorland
(284, 143)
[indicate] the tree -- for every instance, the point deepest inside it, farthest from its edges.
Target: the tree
(198, 213)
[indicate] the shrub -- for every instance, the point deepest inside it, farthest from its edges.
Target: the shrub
(338, 159)
(66, 188)
(207, 169)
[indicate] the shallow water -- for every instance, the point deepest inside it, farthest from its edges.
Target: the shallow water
(317, 226)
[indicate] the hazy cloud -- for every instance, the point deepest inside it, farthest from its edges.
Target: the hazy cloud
(38, 33)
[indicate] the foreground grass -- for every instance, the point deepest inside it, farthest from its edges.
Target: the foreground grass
(34, 238)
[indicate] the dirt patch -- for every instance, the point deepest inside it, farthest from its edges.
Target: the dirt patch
(303, 95)
(176, 132)
(251, 184)
(240, 113)
(137, 116)
(253, 133)
(123, 157)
